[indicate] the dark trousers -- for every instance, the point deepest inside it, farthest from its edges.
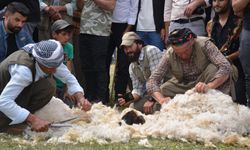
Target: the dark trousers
(32, 98)
(240, 85)
(121, 74)
(93, 53)
(244, 57)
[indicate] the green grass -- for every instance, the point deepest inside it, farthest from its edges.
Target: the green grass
(8, 142)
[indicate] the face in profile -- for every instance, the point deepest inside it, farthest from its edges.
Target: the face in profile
(47, 70)
(14, 22)
(133, 52)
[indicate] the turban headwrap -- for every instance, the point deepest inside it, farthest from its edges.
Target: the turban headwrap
(48, 53)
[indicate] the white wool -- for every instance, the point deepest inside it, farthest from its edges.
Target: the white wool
(55, 111)
(145, 143)
(208, 118)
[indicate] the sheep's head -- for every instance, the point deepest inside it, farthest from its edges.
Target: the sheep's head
(132, 118)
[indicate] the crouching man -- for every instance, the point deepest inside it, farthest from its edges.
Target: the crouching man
(194, 62)
(27, 84)
(144, 60)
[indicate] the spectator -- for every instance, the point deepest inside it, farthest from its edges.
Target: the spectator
(225, 29)
(12, 34)
(27, 84)
(242, 8)
(33, 17)
(185, 14)
(144, 60)
(93, 45)
(52, 11)
(62, 32)
(150, 24)
(123, 20)
(193, 62)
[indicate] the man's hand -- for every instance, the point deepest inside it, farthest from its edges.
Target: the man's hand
(121, 101)
(164, 100)
(84, 104)
(148, 107)
(163, 34)
(37, 124)
(190, 9)
(201, 87)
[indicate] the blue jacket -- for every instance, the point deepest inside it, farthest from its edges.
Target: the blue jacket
(22, 38)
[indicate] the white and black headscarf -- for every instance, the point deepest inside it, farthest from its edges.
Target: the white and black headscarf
(48, 53)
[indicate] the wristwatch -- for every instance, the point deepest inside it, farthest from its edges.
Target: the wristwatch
(151, 99)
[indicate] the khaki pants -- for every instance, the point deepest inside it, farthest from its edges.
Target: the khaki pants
(173, 87)
(32, 98)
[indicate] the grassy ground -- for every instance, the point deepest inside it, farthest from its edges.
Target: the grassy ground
(10, 143)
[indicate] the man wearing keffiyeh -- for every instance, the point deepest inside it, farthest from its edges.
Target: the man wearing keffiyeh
(195, 62)
(26, 84)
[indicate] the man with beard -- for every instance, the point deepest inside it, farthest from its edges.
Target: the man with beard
(12, 34)
(144, 60)
(225, 31)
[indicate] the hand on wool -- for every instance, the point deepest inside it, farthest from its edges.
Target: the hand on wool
(82, 102)
(201, 87)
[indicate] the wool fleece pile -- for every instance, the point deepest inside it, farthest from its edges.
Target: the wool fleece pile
(193, 117)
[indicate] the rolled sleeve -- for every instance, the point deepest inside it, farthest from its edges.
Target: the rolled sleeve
(42, 5)
(69, 9)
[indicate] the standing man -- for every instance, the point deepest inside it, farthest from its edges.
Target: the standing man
(95, 30)
(144, 60)
(195, 62)
(150, 24)
(225, 29)
(12, 34)
(53, 10)
(242, 8)
(27, 84)
(185, 14)
(123, 20)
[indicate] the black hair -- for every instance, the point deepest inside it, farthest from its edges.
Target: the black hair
(68, 29)
(18, 7)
